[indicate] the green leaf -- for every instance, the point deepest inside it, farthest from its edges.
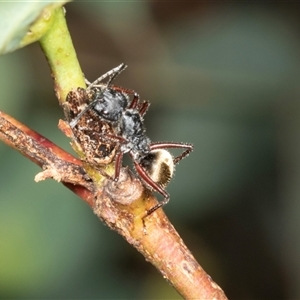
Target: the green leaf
(22, 23)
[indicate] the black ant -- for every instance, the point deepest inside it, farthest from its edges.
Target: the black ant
(153, 163)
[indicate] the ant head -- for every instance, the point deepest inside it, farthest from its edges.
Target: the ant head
(159, 166)
(109, 104)
(106, 102)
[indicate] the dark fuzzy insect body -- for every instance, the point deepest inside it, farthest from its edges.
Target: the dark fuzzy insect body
(107, 125)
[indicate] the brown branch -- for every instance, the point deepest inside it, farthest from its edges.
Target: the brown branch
(47, 155)
(122, 206)
(158, 241)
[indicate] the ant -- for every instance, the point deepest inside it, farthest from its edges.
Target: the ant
(152, 162)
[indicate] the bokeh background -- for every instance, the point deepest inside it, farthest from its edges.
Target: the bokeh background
(224, 77)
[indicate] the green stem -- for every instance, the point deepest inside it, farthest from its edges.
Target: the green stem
(66, 72)
(58, 48)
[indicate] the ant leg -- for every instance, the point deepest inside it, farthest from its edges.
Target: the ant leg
(159, 205)
(189, 148)
(106, 175)
(118, 163)
(135, 104)
(121, 89)
(143, 174)
(178, 158)
(143, 107)
(135, 101)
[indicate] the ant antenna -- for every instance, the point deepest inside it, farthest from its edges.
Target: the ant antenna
(112, 74)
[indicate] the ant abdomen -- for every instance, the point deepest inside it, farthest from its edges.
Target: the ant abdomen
(159, 165)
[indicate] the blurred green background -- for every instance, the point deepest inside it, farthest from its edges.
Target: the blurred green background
(224, 77)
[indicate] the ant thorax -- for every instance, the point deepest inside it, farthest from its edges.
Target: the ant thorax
(159, 165)
(133, 131)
